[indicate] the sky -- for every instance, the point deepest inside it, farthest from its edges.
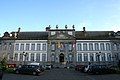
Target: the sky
(36, 15)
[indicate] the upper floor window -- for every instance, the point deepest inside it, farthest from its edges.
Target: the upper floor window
(70, 46)
(108, 47)
(38, 47)
(102, 47)
(90, 46)
(44, 47)
(53, 46)
(32, 46)
(79, 47)
(96, 46)
(16, 46)
(84, 46)
(22, 47)
(27, 46)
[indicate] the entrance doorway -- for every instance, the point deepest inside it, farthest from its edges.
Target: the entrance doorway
(61, 57)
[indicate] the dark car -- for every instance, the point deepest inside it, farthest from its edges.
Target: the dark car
(79, 67)
(30, 69)
(97, 69)
(1, 74)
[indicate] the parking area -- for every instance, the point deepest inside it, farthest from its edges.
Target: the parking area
(61, 74)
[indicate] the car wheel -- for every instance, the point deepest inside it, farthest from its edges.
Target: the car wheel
(34, 73)
(17, 72)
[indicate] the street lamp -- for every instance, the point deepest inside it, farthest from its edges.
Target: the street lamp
(98, 57)
(25, 54)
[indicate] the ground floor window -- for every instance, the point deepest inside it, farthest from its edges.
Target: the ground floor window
(109, 56)
(43, 57)
(32, 57)
(79, 57)
(85, 57)
(38, 57)
(91, 57)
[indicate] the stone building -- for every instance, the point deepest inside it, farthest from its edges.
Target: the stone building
(61, 47)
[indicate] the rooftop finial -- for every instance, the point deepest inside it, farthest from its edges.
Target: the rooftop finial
(19, 29)
(65, 26)
(73, 26)
(56, 26)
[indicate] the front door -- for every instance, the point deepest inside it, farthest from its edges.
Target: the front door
(61, 57)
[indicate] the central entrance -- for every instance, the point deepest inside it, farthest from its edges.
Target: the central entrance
(61, 57)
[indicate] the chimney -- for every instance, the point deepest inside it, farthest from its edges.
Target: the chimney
(84, 29)
(19, 30)
(56, 26)
(48, 28)
(65, 26)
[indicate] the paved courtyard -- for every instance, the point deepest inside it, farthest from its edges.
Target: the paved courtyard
(61, 74)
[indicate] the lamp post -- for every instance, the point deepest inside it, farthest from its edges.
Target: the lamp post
(25, 54)
(98, 57)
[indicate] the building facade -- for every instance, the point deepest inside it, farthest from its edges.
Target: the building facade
(64, 47)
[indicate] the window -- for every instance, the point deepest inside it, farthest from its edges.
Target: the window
(32, 56)
(27, 46)
(38, 57)
(33, 47)
(22, 47)
(109, 57)
(43, 57)
(52, 46)
(16, 57)
(115, 47)
(38, 47)
(70, 46)
(21, 57)
(5, 46)
(97, 57)
(96, 46)
(85, 57)
(17, 47)
(26, 55)
(44, 47)
(90, 46)
(108, 47)
(102, 47)
(84, 46)
(79, 47)
(91, 57)
(79, 57)
(70, 58)
(103, 56)
(52, 57)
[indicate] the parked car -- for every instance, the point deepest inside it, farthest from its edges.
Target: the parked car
(79, 67)
(97, 69)
(1, 74)
(29, 69)
(48, 66)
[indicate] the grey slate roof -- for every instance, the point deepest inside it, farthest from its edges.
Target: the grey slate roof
(96, 35)
(33, 35)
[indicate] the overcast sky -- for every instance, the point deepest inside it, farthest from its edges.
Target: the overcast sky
(35, 15)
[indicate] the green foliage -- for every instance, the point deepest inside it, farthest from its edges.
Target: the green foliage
(3, 63)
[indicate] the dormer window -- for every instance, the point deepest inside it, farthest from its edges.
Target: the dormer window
(53, 33)
(70, 33)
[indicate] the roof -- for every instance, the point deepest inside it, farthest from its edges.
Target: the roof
(94, 35)
(33, 35)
